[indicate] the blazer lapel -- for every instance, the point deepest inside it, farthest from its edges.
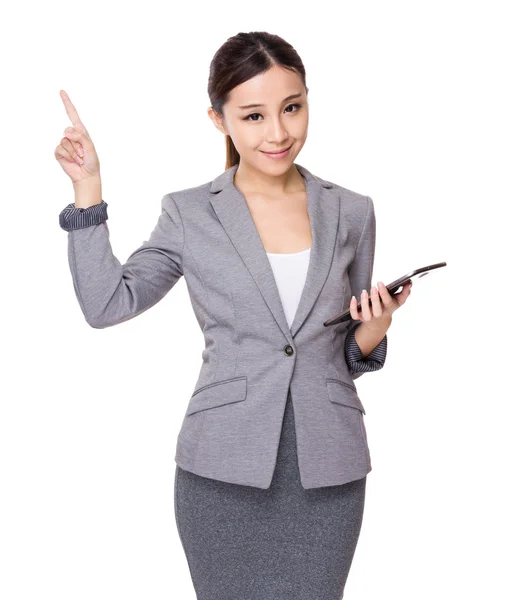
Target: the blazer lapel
(323, 205)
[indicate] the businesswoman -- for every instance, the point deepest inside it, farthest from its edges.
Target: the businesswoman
(272, 456)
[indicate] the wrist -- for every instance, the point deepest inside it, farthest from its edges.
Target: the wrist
(379, 325)
(87, 192)
(91, 180)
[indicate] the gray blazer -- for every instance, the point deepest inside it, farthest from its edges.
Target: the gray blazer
(251, 357)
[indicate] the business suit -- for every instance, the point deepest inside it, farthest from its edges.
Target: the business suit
(272, 454)
(251, 358)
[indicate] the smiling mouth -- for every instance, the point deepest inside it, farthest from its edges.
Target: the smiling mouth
(278, 151)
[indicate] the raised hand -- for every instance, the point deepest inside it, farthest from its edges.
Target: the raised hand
(76, 153)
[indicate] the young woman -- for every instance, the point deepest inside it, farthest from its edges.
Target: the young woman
(272, 455)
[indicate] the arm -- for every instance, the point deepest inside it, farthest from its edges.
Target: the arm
(108, 292)
(360, 277)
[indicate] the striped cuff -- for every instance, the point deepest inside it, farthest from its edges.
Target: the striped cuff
(373, 362)
(77, 218)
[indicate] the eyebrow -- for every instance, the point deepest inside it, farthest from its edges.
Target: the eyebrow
(248, 106)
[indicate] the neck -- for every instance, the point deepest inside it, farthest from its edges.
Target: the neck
(249, 180)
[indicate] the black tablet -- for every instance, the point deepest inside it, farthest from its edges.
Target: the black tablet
(392, 288)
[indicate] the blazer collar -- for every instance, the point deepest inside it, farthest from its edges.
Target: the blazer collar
(323, 206)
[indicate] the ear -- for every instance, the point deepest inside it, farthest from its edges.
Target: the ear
(217, 120)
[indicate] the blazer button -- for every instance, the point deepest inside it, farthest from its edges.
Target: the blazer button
(288, 350)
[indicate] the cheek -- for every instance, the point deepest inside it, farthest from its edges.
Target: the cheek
(301, 129)
(246, 139)
(298, 134)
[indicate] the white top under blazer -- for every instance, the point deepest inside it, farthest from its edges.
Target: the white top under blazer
(290, 271)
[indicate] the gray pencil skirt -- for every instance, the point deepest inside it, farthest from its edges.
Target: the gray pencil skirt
(282, 543)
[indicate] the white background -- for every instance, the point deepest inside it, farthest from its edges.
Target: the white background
(408, 104)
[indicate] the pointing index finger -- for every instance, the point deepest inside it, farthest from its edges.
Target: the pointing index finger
(70, 108)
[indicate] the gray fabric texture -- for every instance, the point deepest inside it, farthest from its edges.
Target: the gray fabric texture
(282, 543)
(251, 357)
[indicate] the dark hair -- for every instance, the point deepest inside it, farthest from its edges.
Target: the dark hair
(240, 58)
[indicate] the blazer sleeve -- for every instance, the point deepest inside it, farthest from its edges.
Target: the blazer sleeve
(360, 276)
(108, 292)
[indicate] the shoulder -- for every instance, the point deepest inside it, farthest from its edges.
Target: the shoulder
(344, 192)
(189, 194)
(186, 199)
(350, 199)
(354, 203)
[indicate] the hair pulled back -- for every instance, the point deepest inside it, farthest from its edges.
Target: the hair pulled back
(240, 58)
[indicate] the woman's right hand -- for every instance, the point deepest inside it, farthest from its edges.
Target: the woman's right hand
(76, 153)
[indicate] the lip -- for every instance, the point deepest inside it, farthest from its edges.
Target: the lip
(280, 154)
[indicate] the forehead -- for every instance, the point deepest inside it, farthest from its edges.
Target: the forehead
(270, 87)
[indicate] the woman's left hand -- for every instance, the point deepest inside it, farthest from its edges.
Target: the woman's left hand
(383, 306)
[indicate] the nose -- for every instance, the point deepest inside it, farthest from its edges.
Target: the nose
(276, 133)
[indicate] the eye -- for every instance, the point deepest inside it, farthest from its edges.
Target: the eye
(248, 117)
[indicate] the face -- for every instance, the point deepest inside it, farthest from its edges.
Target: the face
(278, 120)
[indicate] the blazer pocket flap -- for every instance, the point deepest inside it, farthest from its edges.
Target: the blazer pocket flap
(217, 394)
(342, 392)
